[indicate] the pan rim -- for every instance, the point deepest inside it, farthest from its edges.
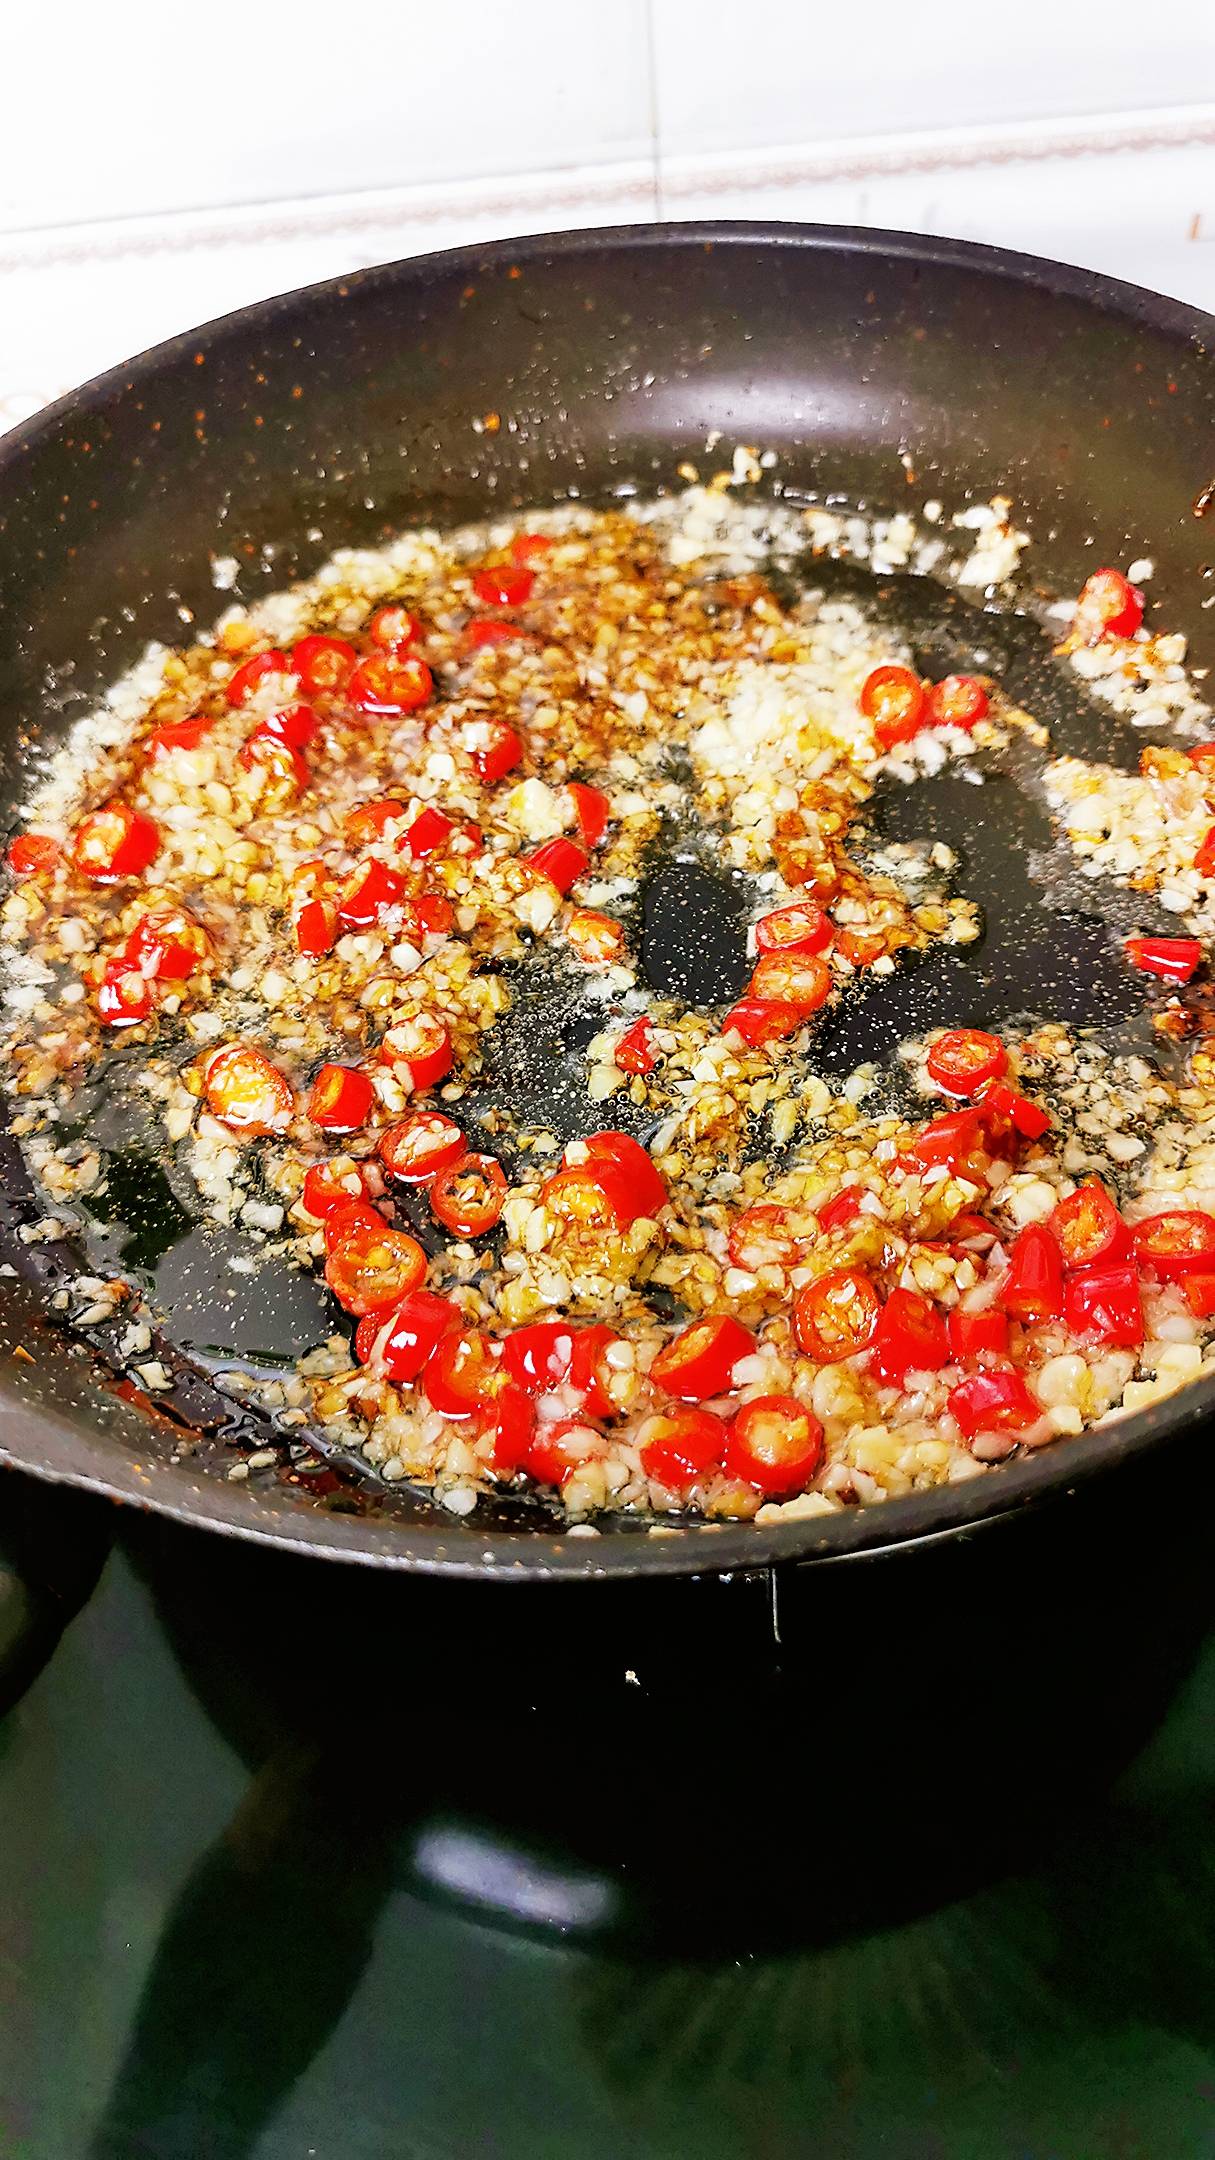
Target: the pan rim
(528, 1556)
(884, 1527)
(1177, 318)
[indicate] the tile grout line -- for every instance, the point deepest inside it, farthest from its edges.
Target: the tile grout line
(651, 43)
(658, 183)
(937, 150)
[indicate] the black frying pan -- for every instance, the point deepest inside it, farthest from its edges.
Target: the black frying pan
(880, 366)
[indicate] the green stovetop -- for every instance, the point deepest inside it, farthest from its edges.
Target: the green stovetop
(200, 1962)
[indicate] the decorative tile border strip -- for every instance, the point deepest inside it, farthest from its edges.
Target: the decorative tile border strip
(637, 190)
(276, 224)
(868, 158)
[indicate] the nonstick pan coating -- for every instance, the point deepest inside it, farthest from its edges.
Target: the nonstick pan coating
(881, 367)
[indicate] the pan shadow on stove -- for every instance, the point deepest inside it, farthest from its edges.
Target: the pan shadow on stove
(262, 1954)
(701, 1780)
(53, 1545)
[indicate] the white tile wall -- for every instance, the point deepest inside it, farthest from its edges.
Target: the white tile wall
(738, 73)
(144, 107)
(171, 107)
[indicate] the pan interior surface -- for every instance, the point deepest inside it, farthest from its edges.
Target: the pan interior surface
(870, 367)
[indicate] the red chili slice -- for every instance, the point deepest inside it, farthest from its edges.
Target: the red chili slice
(264, 751)
(841, 1209)
(910, 1337)
(247, 677)
(679, 1447)
(484, 630)
(552, 1354)
(963, 1059)
(775, 1443)
(860, 947)
(893, 698)
(392, 628)
(511, 1426)
(323, 664)
(433, 914)
(969, 1229)
(760, 1021)
(798, 928)
(1181, 1241)
(1089, 1227)
(627, 1155)
(124, 996)
(593, 811)
(1000, 1101)
(464, 1373)
(333, 1184)
(762, 1237)
(701, 1360)
(402, 1341)
(294, 724)
(32, 854)
(633, 1053)
(1204, 860)
(501, 585)
(346, 1216)
(114, 842)
(369, 1270)
(591, 1345)
(538, 1358)
(469, 1196)
(367, 892)
(837, 1314)
(993, 1402)
(958, 701)
(559, 1449)
(1030, 1117)
(418, 1050)
(420, 1146)
(561, 861)
(1199, 1294)
(1109, 606)
(525, 547)
(977, 1335)
(385, 684)
(246, 1092)
(366, 823)
(499, 755)
(1032, 1287)
(178, 735)
(1174, 958)
(342, 1098)
(167, 943)
(596, 939)
(1104, 1303)
(316, 928)
(591, 1198)
(950, 1141)
(800, 979)
(430, 830)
